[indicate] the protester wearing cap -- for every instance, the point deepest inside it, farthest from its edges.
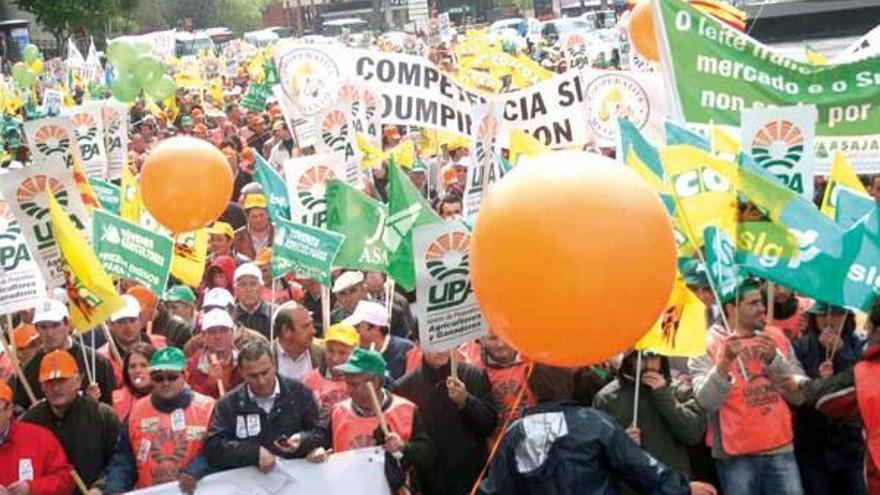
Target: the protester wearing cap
(328, 384)
(283, 149)
(161, 440)
(126, 331)
(214, 365)
(354, 423)
(790, 311)
(220, 273)
(250, 310)
(53, 324)
(371, 321)
(32, 460)
(418, 175)
(175, 330)
(217, 298)
(459, 415)
(27, 343)
(402, 320)
(349, 289)
(267, 416)
(830, 332)
(746, 381)
(222, 235)
(87, 429)
(297, 351)
(180, 301)
(259, 232)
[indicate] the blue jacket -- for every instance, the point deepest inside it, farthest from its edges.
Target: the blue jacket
(571, 449)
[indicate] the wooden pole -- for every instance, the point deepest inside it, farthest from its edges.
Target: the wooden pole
(111, 344)
(79, 482)
(771, 296)
(19, 372)
(220, 387)
(377, 408)
(13, 352)
(325, 308)
(635, 421)
(389, 297)
(453, 364)
(829, 355)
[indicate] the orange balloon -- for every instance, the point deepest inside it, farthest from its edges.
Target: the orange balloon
(572, 258)
(641, 31)
(186, 183)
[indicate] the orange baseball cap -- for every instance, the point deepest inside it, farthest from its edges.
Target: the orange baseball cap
(5, 392)
(24, 335)
(144, 296)
(248, 155)
(57, 364)
(264, 257)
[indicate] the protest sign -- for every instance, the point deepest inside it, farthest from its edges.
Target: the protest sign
(107, 194)
(52, 100)
(114, 116)
(360, 472)
(447, 309)
(131, 251)
(306, 182)
(780, 140)
(484, 168)
(25, 193)
(87, 123)
(304, 250)
(302, 128)
(49, 140)
(362, 220)
(21, 284)
(713, 72)
(309, 77)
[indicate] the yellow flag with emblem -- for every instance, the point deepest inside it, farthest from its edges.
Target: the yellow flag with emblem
(681, 330)
(190, 252)
(86, 193)
(130, 204)
(842, 174)
(90, 289)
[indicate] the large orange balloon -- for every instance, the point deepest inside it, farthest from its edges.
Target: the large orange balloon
(641, 31)
(186, 183)
(572, 258)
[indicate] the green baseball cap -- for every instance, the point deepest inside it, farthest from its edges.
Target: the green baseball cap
(363, 361)
(179, 293)
(419, 166)
(168, 359)
(823, 308)
(745, 286)
(694, 273)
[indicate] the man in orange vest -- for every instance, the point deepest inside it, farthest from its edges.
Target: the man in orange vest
(328, 384)
(506, 370)
(746, 380)
(161, 441)
(354, 423)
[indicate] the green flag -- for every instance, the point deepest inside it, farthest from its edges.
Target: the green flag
(107, 194)
(307, 251)
(851, 207)
(361, 220)
(407, 209)
(131, 251)
(274, 188)
(721, 263)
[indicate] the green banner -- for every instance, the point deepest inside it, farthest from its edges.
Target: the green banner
(362, 220)
(714, 72)
(107, 193)
(132, 252)
(274, 188)
(255, 98)
(304, 250)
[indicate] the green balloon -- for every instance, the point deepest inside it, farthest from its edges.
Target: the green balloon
(31, 53)
(164, 89)
(124, 88)
(148, 70)
(142, 47)
(121, 54)
(23, 77)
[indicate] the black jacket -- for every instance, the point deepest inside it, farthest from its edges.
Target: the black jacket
(176, 330)
(103, 375)
(231, 444)
(259, 320)
(584, 451)
(460, 435)
(87, 431)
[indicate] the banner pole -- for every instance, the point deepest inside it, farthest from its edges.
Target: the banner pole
(114, 351)
(377, 408)
(325, 308)
(13, 352)
(79, 482)
(18, 371)
(389, 297)
(830, 353)
(635, 421)
(82, 349)
(771, 297)
(453, 364)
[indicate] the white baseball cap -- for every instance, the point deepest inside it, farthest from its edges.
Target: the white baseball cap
(217, 318)
(248, 269)
(347, 280)
(218, 297)
(130, 309)
(50, 310)
(369, 312)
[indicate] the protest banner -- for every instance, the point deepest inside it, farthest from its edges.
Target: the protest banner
(306, 184)
(21, 284)
(107, 194)
(866, 46)
(25, 193)
(132, 252)
(87, 123)
(304, 250)
(114, 116)
(713, 72)
(360, 472)
(302, 128)
(362, 220)
(485, 167)
(52, 100)
(49, 140)
(309, 77)
(447, 309)
(779, 140)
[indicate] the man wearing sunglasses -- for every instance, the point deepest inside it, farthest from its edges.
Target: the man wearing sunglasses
(161, 440)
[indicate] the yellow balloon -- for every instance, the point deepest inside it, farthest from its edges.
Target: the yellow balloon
(37, 66)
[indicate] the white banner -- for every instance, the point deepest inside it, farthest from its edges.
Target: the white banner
(866, 46)
(306, 183)
(303, 129)
(447, 309)
(87, 124)
(114, 118)
(355, 472)
(780, 140)
(484, 163)
(50, 140)
(21, 284)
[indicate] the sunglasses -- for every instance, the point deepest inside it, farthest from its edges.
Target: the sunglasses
(165, 377)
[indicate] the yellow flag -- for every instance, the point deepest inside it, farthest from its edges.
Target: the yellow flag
(429, 145)
(372, 155)
(171, 109)
(130, 204)
(842, 174)
(89, 199)
(523, 143)
(215, 91)
(815, 57)
(681, 330)
(190, 251)
(724, 145)
(92, 296)
(404, 154)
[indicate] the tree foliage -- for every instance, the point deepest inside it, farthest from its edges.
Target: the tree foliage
(61, 17)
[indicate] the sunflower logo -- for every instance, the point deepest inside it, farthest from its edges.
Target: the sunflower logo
(486, 135)
(778, 144)
(8, 225)
(84, 126)
(448, 255)
(311, 186)
(32, 199)
(334, 130)
(51, 139)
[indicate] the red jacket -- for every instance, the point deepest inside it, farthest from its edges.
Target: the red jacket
(198, 378)
(33, 452)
